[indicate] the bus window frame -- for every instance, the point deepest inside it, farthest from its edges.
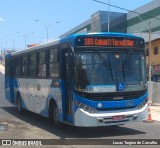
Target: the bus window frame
(23, 65)
(56, 62)
(18, 66)
(31, 64)
(44, 63)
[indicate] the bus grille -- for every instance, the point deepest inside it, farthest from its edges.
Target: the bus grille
(117, 96)
(117, 108)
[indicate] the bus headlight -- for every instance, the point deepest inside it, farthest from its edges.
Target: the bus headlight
(142, 104)
(85, 107)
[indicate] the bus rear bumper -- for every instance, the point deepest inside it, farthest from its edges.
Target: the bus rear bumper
(85, 119)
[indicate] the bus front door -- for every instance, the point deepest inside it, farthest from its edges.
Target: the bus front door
(67, 74)
(12, 82)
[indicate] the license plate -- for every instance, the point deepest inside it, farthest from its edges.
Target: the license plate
(121, 117)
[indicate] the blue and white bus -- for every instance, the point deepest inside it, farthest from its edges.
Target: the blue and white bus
(94, 79)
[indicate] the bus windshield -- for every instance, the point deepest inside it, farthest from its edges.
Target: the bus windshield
(101, 71)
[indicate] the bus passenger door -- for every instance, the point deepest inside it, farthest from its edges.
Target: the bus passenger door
(67, 76)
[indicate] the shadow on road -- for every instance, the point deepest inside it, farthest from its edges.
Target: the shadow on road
(72, 132)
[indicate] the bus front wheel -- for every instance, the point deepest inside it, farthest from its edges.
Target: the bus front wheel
(19, 105)
(55, 116)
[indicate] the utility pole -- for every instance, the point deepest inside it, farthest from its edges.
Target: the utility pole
(149, 58)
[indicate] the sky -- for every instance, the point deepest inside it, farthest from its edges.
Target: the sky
(17, 18)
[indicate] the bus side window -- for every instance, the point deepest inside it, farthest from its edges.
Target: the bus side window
(32, 65)
(25, 66)
(42, 68)
(18, 66)
(53, 63)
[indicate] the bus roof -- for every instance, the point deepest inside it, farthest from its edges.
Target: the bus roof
(71, 38)
(52, 43)
(110, 34)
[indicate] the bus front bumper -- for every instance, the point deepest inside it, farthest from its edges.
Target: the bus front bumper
(85, 119)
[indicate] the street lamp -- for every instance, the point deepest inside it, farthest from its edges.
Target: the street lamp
(108, 14)
(25, 37)
(46, 26)
(1, 47)
(12, 44)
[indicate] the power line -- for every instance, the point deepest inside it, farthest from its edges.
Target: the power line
(126, 9)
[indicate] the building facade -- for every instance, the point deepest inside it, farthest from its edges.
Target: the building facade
(147, 16)
(138, 21)
(154, 58)
(99, 23)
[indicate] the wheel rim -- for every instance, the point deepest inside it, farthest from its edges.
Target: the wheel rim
(55, 115)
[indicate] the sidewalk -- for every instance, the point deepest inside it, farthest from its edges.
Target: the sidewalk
(155, 112)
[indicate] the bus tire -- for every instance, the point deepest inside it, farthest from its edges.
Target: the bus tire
(19, 105)
(55, 116)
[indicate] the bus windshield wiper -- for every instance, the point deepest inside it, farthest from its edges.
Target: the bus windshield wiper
(106, 63)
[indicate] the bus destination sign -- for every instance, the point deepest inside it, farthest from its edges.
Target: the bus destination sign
(109, 42)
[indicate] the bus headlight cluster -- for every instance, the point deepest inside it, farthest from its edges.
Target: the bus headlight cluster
(85, 107)
(142, 104)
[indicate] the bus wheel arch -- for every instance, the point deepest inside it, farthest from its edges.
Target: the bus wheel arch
(54, 113)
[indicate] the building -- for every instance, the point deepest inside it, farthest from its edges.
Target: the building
(99, 23)
(154, 58)
(147, 16)
(155, 52)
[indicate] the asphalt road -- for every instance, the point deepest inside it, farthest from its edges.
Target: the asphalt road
(33, 126)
